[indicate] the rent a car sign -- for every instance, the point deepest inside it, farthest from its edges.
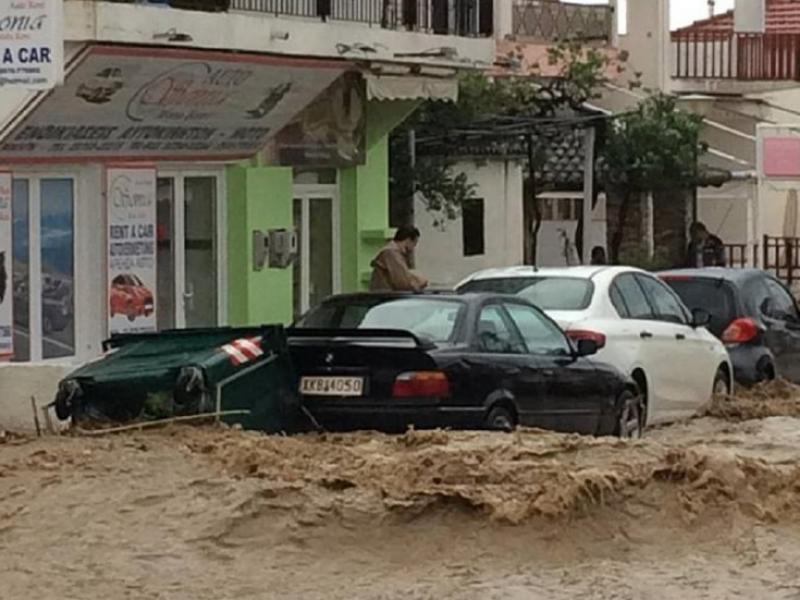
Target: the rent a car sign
(31, 44)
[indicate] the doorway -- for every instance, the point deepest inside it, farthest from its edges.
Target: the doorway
(190, 253)
(316, 270)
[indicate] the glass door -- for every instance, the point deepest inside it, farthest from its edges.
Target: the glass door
(316, 272)
(42, 278)
(188, 251)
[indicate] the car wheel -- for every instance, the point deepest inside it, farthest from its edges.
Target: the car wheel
(630, 419)
(500, 418)
(765, 371)
(722, 386)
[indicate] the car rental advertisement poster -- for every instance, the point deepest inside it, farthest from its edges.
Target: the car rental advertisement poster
(31, 44)
(131, 196)
(6, 295)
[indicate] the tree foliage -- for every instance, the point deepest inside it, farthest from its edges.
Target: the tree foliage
(579, 72)
(655, 147)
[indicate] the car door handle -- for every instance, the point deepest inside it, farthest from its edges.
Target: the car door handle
(645, 335)
(548, 372)
(680, 336)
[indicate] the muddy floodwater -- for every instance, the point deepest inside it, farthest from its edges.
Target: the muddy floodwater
(709, 508)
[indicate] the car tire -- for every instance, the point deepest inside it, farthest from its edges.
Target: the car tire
(630, 417)
(500, 418)
(765, 370)
(722, 384)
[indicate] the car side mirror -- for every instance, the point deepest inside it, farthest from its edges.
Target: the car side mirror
(587, 347)
(700, 318)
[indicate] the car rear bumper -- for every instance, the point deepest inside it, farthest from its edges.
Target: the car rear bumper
(745, 359)
(391, 415)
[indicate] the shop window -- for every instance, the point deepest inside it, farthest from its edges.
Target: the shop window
(43, 268)
(20, 266)
(56, 241)
(473, 227)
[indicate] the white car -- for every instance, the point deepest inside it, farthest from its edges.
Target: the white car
(640, 324)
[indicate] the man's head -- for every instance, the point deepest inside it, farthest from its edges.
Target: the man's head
(698, 232)
(598, 255)
(406, 238)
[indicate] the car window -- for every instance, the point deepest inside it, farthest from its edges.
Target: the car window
(495, 333)
(559, 293)
(756, 294)
(428, 318)
(500, 285)
(782, 303)
(631, 294)
(715, 296)
(541, 335)
(618, 301)
(664, 301)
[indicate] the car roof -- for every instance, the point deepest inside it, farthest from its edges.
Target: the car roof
(579, 272)
(736, 276)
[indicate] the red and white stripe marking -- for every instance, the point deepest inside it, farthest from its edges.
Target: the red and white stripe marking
(243, 350)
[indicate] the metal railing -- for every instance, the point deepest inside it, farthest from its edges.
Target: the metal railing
(741, 256)
(453, 17)
(739, 56)
(782, 257)
(551, 20)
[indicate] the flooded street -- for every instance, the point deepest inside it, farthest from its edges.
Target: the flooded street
(703, 509)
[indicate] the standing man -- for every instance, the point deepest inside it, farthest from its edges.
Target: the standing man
(390, 268)
(705, 249)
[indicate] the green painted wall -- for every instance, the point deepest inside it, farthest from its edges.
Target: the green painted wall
(364, 195)
(261, 198)
(258, 198)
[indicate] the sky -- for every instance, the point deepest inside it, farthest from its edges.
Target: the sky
(683, 11)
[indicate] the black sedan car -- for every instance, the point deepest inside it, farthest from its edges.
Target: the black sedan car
(391, 361)
(752, 312)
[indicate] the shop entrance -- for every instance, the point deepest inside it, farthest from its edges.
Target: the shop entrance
(316, 221)
(189, 227)
(42, 274)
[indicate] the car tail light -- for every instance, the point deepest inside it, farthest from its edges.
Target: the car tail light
(421, 384)
(585, 334)
(740, 331)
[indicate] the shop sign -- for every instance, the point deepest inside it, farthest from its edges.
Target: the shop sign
(6, 291)
(331, 132)
(31, 43)
(146, 103)
(132, 293)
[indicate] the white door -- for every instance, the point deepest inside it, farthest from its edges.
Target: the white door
(190, 249)
(316, 221)
(691, 365)
(42, 277)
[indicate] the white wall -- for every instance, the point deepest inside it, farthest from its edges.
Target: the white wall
(87, 20)
(646, 41)
(440, 255)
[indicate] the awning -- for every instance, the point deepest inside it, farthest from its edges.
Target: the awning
(395, 87)
(133, 103)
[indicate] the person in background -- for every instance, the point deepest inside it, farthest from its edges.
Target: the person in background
(598, 256)
(390, 268)
(705, 249)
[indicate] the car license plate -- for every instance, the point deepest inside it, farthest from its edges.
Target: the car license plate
(332, 386)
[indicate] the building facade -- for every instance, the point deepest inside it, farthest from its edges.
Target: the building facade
(143, 186)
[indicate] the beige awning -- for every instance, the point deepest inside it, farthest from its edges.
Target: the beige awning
(395, 87)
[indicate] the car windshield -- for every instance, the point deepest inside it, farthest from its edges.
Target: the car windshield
(548, 293)
(714, 296)
(430, 319)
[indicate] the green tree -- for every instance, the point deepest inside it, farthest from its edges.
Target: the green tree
(579, 72)
(655, 147)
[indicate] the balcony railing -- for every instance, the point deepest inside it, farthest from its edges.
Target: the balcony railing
(551, 20)
(738, 56)
(452, 17)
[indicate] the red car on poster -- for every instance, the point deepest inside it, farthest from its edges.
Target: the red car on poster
(130, 297)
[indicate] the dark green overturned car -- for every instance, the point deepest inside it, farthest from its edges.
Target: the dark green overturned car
(143, 377)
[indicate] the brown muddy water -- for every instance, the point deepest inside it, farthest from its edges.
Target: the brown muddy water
(702, 509)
